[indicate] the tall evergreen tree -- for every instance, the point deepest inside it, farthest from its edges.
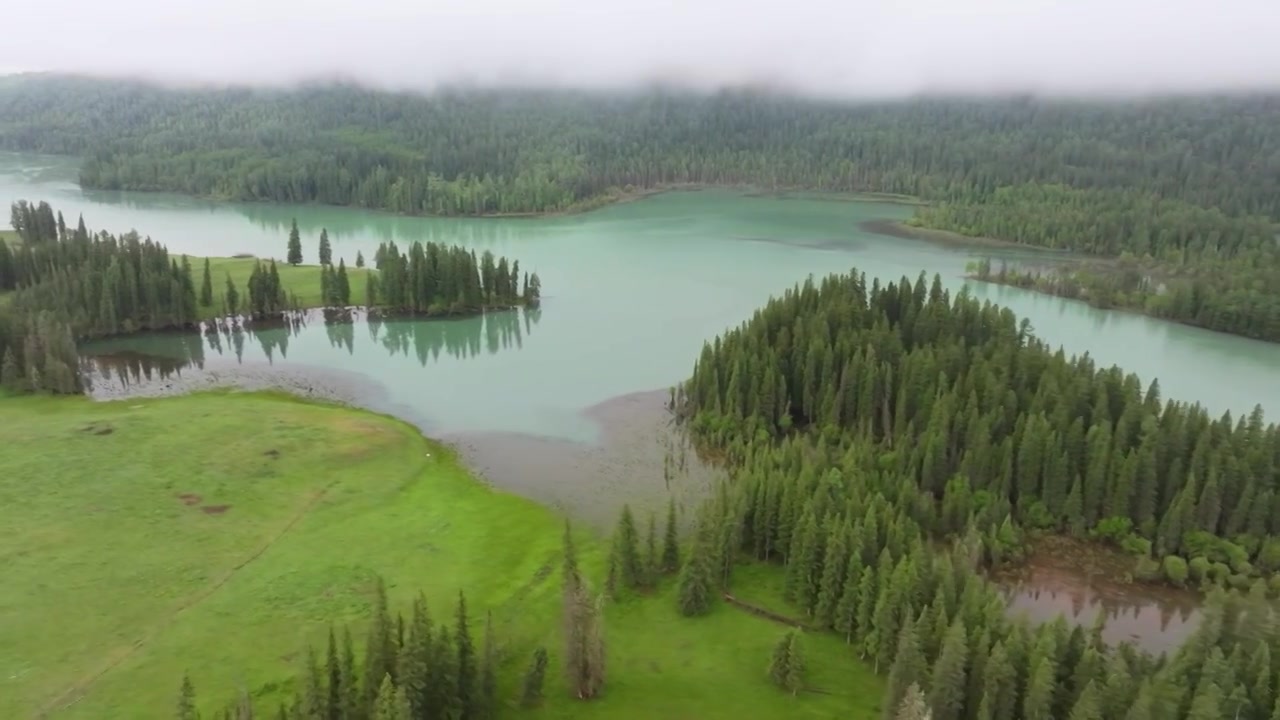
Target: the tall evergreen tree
(326, 252)
(295, 247)
(531, 694)
(671, 540)
(787, 664)
(206, 286)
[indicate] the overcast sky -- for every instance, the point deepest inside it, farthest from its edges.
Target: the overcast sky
(846, 47)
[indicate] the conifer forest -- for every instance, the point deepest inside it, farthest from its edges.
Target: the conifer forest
(1099, 178)
(850, 467)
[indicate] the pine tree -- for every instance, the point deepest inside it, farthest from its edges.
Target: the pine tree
(359, 259)
(583, 629)
(947, 683)
(652, 565)
(379, 655)
(468, 698)
(488, 704)
(187, 700)
(232, 297)
(1038, 701)
(10, 374)
(412, 667)
(343, 284)
(333, 679)
(627, 552)
(671, 541)
(695, 591)
(326, 253)
(390, 703)
(295, 250)
(908, 671)
(1089, 705)
(786, 667)
(531, 695)
(912, 707)
(206, 286)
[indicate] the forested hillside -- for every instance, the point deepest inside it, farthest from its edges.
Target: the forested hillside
(1189, 187)
(865, 425)
(520, 151)
(1179, 261)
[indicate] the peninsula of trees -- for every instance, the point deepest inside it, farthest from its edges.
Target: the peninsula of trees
(888, 441)
(1188, 187)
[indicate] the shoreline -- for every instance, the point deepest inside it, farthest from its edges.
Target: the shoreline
(622, 196)
(901, 229)
(325, 313)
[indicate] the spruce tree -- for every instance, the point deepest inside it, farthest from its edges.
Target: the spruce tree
(379, 655)
(468, 698)
(359, 259)
(295, 255)
(671, 541)
(583, 629)
(326, 253)
(488, 703)
(695, 590)
(947, 682)
(206, 286)
(232, 297)
(187, 700)
(909, 669)
(343, 284)
(786, 666)
(912, 706)
(390, 703)
(531, 695)
(652, 564)
(626, 551)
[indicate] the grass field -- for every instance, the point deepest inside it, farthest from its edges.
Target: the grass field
(219, 534)
(302, 281)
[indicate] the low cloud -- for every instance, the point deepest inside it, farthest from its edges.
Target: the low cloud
(829, 47)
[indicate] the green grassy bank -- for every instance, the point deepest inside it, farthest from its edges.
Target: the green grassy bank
(302, 281)
(219, 534)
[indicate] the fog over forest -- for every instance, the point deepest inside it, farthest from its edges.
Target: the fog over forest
(859, 48)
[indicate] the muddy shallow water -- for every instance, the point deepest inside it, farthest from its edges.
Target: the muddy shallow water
(1062, 577)
(641, 459)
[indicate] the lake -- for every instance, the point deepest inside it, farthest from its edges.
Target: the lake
(630, 294)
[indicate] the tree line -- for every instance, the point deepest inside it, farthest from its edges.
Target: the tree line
(435, 279)
(1175, 260)
(413, 669)
(980, 418)
(511, 151)
(66, 284)
(887, 442)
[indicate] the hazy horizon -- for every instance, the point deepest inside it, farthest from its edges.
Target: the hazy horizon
(816, 47)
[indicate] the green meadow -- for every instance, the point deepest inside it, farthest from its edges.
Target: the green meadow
(221, 534)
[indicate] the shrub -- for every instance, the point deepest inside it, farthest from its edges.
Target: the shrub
(1175, 570)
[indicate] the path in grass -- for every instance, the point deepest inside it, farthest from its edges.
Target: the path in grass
(219, 534)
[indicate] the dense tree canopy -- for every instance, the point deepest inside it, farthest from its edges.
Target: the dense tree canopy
(1192, 183)
(884, 442)
(501, 151)
(1176, 260)
(980, 417)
